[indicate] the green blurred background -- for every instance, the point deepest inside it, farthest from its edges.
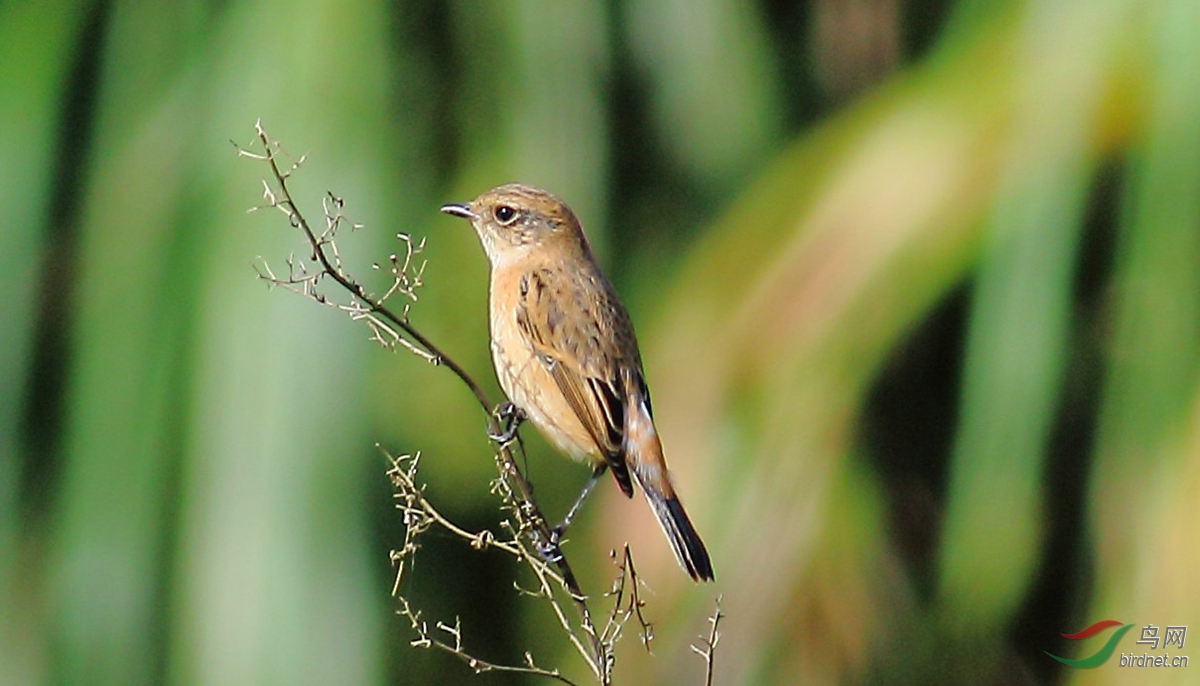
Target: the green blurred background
(917, 284)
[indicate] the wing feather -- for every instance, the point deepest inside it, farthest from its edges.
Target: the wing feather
(569, 346)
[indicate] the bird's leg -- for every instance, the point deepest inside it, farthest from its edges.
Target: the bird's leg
(597, 472)
(509, 417)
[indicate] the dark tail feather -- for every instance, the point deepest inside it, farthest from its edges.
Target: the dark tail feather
(684, 540)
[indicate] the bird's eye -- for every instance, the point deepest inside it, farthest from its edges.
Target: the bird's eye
(505, 215)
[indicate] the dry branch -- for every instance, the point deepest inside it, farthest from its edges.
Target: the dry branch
(528, 535)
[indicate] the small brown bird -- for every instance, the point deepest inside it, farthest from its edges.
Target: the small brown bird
(565, 353)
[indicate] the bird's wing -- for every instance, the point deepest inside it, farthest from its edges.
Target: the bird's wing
(573, 339)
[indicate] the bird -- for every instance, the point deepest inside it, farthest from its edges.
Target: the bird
(566, 356)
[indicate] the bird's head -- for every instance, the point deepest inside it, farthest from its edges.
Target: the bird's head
(515, 219)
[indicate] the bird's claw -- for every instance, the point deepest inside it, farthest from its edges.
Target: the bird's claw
(509, 417)
(549, 550)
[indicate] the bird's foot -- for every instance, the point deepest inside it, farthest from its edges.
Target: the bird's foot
(509, 417)
(548, 549)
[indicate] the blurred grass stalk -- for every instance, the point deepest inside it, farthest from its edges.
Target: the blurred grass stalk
(37, 47)
(1143, 504)
(982, 157)
(198, 535)
(1019, 331)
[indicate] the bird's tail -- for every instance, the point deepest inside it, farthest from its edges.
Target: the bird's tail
(644, 457)
(684, 540)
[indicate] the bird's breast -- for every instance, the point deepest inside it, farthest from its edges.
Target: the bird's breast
(525, 376)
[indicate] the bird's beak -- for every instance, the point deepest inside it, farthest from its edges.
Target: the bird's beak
(458, 210)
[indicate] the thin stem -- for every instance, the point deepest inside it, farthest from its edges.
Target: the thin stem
(708, 651)
(353, 287)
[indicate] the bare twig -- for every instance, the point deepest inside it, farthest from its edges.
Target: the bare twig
(419, 515)
(627, 603)
(425, 640)
(324, 252)
(391, 329)
(709, 649)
